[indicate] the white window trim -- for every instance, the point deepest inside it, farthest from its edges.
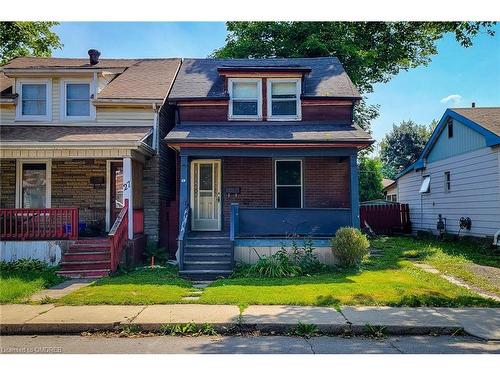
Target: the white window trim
(48, 103)
(92, 113)
(446, 189)
(19, 180)
(276, 182)
(259, 99)
(270, 116)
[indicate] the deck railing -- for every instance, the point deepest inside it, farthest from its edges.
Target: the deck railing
(38, 223)
(118, 237)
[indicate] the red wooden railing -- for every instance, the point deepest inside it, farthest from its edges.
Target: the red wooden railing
(386, 218)
(38, 223)
(118, 236)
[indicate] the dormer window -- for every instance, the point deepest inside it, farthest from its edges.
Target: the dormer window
(76, 97)
(245, 99)
(34, 100)
(284, 99)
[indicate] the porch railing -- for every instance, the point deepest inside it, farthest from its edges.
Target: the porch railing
(118, 237)
(182, 236)
(38, 223)
(255, 222)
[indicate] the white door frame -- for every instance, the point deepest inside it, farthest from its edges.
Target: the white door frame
(108, 191)
(217, 195)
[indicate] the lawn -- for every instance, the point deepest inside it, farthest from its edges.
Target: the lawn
(18, 284)
(461, 259)
(140, 287)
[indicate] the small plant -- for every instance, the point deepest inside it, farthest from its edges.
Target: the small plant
(188, 329)
(45, 300)
(276, 265)
(130, 330)
(155, 254)
(305, 330)
(24, 265)
(349, 246)
(376, 332)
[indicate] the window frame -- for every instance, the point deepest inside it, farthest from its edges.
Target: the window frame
(298, 88)
(449, 127)
(48, 99)
(424, 177)
(275, 167)
(230, 83)
(447, 182)
(92, 111)
(19, 180)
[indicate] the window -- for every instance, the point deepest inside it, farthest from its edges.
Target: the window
(447, 182)
(392, 197)
(426, 185)
(245, 98)
(33, 188)
(288, 183)
(76, 97)
(450, 127)
(34, 100)
(284, 99)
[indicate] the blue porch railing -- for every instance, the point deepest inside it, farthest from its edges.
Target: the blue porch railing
(316, 222)
(182, 236)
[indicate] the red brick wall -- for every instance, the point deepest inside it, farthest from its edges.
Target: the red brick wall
(326, 182)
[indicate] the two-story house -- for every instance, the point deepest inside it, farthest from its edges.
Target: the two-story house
(82, 170)
(267, 150)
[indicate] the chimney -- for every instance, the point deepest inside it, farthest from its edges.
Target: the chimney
(94, 56)
(473, 104)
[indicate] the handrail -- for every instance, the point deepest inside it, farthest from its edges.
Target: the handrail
(118, 236)
(38, 223)
(182, 235)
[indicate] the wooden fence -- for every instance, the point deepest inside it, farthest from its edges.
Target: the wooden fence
(386, 218)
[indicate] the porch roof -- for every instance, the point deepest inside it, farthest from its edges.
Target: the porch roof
(262, 132)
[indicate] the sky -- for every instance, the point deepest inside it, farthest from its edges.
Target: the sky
(456, 77)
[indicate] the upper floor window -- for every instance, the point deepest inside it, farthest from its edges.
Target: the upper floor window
(76, 97)
(284, 99)
(34, 100)
(245, 98)
(447, 182)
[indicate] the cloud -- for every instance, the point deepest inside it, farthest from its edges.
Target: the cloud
(454, 98)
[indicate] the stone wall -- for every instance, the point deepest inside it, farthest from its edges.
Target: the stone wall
(7, 183)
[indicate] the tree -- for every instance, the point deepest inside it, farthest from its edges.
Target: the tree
(370, 179)
(27, 39)
(403, 145)
(371, 52)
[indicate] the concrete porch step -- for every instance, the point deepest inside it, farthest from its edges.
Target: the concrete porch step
(85, 273)
(208, 265)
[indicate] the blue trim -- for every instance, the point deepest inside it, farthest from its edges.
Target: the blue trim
(256, 242)
(354, 191)
(183, 188)
(234, 221)
(266, 152)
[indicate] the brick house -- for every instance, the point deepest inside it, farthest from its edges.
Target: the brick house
(83, 175)
(266, 149)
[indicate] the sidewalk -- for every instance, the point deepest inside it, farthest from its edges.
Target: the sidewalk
(49, 319)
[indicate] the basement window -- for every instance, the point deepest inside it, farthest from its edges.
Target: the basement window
(426, 185)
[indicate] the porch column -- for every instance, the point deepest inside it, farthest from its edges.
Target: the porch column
(354, 190)
(184, 187)
(128, 194)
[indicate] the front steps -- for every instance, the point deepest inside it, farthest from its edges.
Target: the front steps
(207, 256)
(87, 259)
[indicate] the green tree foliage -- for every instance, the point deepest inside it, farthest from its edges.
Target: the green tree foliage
(403, 145)
(370, 178)
(371, 52)
(27, 39)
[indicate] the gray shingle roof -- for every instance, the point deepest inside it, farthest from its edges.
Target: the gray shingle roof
(199, 78)
(487, 117)
(257, 132)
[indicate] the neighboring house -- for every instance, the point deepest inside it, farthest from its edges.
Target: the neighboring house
(390, 189)
(457, 175)
(80, 158)
(267, 150)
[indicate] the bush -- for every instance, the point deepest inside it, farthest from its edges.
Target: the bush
(349, 246)
(24, 265)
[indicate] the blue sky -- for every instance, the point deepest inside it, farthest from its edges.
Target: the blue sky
(462, 74)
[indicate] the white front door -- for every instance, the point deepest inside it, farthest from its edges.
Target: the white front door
(205, 195)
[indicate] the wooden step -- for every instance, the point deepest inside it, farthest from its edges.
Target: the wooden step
(85, 273)
(86, 256)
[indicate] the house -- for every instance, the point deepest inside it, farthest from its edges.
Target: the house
(266, 150)
(390, 189)
(83, 175)
(457, 176)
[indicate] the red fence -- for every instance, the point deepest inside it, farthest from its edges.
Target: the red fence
(38, 223)
(386, 218)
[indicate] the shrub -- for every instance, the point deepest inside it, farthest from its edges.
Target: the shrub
(349, 246)
(24, 265)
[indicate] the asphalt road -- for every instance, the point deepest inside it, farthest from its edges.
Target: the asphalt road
(246, 345)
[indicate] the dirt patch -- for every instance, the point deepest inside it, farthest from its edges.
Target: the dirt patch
(492, 274)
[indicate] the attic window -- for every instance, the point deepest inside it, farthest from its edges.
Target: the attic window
(449, 124)
(426, 185)
(284, 99)
(245, 98)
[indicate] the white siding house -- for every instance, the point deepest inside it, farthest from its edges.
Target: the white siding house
(462, 161)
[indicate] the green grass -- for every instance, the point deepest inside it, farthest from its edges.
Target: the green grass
(453, 257)
(391, 280)
(145, 286)
(17, 286)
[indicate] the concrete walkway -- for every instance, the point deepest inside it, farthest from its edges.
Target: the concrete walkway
(49, 319)
(61, 290)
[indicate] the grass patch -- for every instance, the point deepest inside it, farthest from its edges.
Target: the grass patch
(139, 287)
(18, 285)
